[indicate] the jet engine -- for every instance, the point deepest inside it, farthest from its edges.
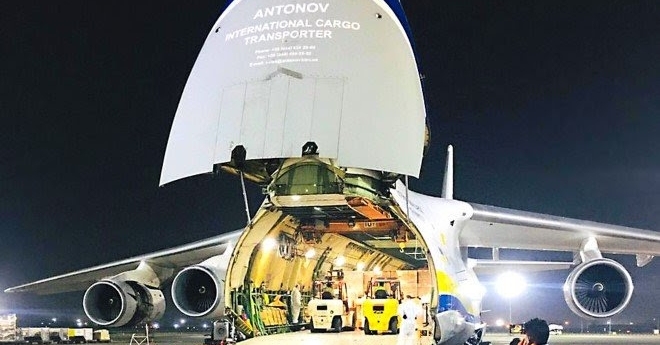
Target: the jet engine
(598, 288)
(115, 303)
(198, 291)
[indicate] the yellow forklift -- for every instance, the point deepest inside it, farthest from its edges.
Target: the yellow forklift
(381, 306)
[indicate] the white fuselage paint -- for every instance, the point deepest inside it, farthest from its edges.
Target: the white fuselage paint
(439, 222)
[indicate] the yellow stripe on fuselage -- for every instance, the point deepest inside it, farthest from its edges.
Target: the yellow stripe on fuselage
(445, 283)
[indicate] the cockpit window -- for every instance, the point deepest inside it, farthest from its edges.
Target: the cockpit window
(307, 179)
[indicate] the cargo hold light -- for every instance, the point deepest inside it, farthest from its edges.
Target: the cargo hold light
(268, 244)
(360, 266)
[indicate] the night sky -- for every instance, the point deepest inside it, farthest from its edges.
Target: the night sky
(552, 107)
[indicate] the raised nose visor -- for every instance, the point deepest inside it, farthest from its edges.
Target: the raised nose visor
(271, 80)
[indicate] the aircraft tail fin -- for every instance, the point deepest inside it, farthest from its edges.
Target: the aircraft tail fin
(448, 182)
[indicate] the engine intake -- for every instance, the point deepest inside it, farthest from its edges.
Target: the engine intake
(118, 303)
(198, 291)
(598, 288)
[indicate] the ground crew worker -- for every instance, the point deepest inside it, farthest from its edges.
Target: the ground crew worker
(328, 292)
(409, 311)
(264, 295)
(296, 303)
(380, 292)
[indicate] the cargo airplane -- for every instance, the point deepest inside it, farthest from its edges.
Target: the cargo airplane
(320, 103)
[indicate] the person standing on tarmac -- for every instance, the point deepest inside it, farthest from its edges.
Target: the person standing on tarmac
(409, 312)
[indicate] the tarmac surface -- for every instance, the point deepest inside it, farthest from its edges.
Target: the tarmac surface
(350, 337)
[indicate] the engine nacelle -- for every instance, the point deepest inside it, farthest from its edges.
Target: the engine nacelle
(115, 303)
(598, 288)
(199, 291)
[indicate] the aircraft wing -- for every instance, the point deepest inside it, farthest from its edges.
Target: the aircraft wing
(492, 226)
(172, 258)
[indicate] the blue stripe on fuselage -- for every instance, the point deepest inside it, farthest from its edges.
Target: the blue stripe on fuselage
(449, 302)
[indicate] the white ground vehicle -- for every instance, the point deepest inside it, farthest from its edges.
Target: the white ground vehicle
(331, 308)
(556, 329)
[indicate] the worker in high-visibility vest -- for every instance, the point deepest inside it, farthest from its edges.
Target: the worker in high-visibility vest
(380, 292)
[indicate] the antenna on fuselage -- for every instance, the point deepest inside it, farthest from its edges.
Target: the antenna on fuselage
(448, 182)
